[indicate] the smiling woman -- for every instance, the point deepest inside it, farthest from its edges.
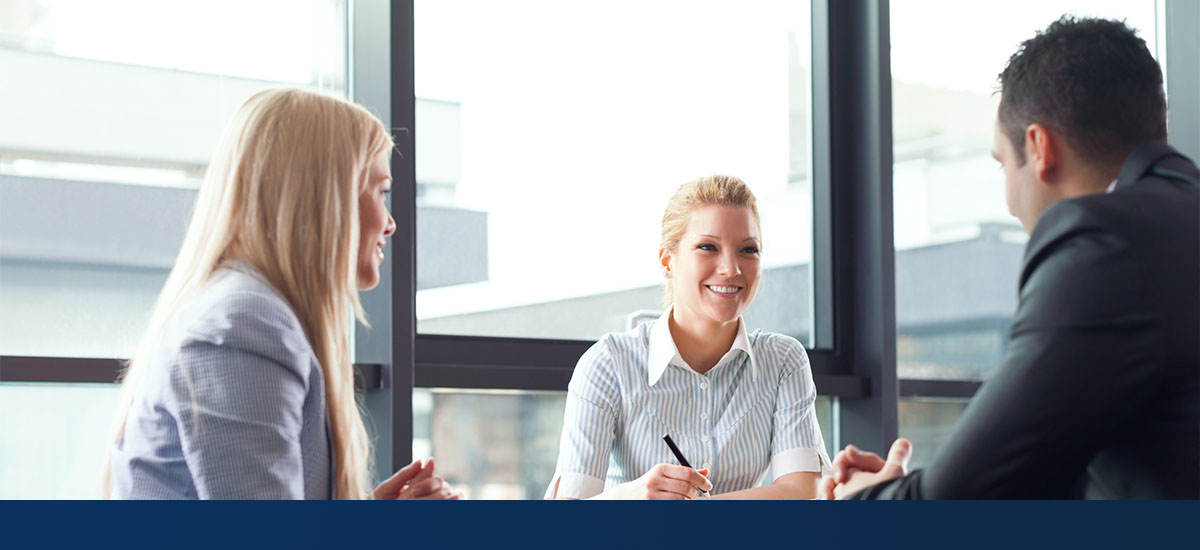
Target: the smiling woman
(740, 403)
(375, 221)
(243, 386)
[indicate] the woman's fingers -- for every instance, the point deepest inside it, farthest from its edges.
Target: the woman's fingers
(665, 495)
(424, 487)
(392, 486)
(688, 475)
(674, 486)
(416, 482)
(425, 473)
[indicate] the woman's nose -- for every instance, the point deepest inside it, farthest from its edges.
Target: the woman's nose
(390, 227)
(728, 266)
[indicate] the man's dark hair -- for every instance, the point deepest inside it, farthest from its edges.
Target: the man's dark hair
(1091, 80)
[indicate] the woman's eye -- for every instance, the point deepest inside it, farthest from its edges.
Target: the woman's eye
(750, 250)
(706, 246)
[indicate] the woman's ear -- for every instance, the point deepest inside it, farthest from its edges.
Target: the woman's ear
(664, 259)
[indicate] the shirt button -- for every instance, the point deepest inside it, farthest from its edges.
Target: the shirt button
(704, 438)
(703, 416)
(704, 385)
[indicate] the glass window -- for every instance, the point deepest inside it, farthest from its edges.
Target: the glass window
(490, 444)
(53, 438)
(958, 250)
(99, 164)
(551, 134)
(503, 444)
(103, 142)
(927, 422)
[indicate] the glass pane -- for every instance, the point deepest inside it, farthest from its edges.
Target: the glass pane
(490, 444)
(53, 438)
(547, 149)
(99, 165)
(501, 444)
(304, 48)
(958, 250)
(927, 422)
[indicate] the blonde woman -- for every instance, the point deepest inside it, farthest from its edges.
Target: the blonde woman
(737, 403)
(242, 387)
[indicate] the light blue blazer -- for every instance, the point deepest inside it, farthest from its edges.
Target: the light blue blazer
(232, 405)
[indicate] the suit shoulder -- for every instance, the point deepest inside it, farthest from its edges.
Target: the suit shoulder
(1143, 208)
(238, 311)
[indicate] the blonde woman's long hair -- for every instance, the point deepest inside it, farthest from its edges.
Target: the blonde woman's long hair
(698, 193)
(281, 194)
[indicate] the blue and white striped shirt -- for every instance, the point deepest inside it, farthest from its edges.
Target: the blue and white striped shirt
(752, 411)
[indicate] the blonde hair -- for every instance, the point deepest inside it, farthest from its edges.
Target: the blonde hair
(698, 193)
(281, 194)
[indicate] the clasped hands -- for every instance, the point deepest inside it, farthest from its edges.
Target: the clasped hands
(416, 482)
(855, 470)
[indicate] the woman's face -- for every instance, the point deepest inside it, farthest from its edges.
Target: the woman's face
(715, 271)
(375, 223)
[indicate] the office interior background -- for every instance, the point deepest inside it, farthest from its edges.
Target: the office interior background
(538, 142)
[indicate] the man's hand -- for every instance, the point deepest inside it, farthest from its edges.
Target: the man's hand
(855, 470)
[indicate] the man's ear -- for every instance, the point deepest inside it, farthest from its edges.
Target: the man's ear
(1042, 148)
(664, 259)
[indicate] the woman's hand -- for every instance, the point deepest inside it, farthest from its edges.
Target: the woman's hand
(664, 482)
(416, 482)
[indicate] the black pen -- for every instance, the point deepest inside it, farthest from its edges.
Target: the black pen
(679, 456)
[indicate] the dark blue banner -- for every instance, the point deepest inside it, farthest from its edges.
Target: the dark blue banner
(1007, 525)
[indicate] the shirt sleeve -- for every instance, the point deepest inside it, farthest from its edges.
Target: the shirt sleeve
(796, 442)
(239, 392)
(589, 427)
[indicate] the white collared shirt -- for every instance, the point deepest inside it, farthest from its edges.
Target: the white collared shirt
(753, 410)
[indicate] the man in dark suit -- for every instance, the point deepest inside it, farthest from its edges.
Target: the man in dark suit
(1098, 395)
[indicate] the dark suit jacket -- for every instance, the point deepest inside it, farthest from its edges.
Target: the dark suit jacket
(1098, 395)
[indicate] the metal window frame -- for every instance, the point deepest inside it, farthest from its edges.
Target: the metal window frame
(852, 93)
